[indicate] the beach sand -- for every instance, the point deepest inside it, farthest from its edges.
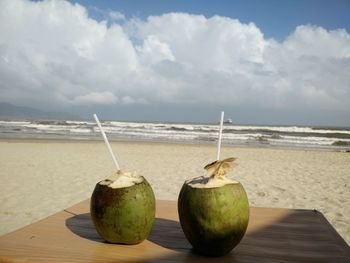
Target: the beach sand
(41, 177)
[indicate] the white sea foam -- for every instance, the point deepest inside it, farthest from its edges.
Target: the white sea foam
(232, 134)
(79, 122)
(10, 123)
(79, 130)
(288, 129)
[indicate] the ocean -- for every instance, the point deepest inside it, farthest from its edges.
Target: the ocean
(330, 138)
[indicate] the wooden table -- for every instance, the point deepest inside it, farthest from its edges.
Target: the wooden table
(273, 235)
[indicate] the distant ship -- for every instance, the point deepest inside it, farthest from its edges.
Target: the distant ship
(228, 121)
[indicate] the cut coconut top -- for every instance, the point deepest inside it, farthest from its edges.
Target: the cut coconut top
(122, 179)
(208, 182)
(217, 171)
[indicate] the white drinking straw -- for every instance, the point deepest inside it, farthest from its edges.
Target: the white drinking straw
(220, 135)
(107, 143)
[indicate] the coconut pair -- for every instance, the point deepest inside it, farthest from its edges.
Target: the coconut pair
(213, 210)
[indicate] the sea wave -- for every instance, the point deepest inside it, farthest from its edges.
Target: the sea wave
(335, 138)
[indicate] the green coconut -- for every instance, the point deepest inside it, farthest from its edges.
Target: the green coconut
(214, 211)
(123, 208)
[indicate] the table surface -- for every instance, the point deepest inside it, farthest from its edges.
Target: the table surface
(273, 235)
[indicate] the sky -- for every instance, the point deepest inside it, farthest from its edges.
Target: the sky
(262, 62)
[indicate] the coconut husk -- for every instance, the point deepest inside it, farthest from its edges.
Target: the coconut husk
(220, 168)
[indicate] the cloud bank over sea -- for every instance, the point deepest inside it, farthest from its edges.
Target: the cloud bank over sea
(53, 54)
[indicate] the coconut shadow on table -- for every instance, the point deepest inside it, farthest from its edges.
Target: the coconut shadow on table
(81, 225)
(283, 236)
(165, 232)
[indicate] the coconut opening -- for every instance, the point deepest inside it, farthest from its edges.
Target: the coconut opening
(208, 182)
(217, 171)
(122, 179)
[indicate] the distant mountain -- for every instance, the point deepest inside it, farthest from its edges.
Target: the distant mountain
(11, 111)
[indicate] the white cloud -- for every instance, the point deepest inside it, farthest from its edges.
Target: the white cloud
(153, 51)
(318, 42)
(116, 16)
(217, 42)
(96, 98)
(53, 53)
(129, 100)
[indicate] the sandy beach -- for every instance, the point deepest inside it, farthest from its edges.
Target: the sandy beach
(41, 177)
